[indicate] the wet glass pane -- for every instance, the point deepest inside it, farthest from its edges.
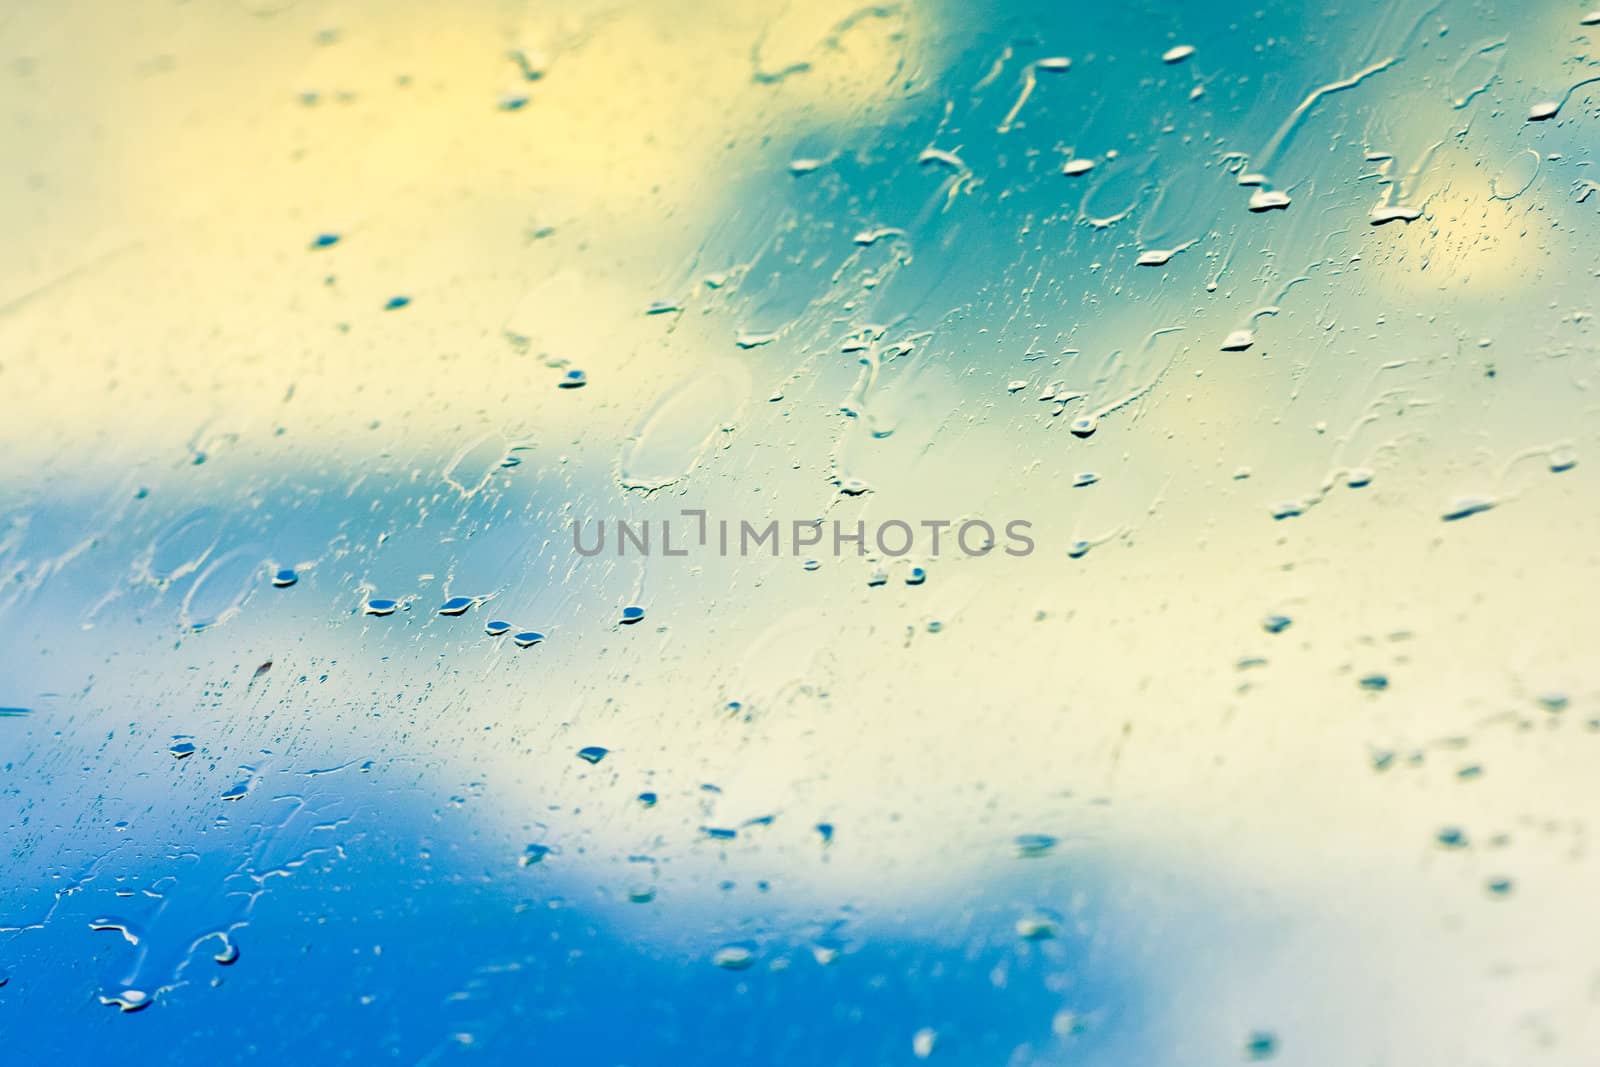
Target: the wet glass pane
(643, 533)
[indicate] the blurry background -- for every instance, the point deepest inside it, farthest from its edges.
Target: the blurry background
(1281, 745)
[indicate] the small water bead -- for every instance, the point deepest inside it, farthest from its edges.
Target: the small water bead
(284, 577)
(853, 487)
(1544, 110)
(1085, 425)
(813, 564)
(228, 954)
(1078, 549)
(1238, 341)
(395, 303)
(1016, 385)
(646, 800)
(1375, 683)
(1073, 168)
(497, 628)
(935, 626)
(325, 240)
(735, 957)
(641, 894)
(1359, 478)
(592, 753)
(631, 615)
(1388, 213)
(237, 791)
(1262, 1045)
(877, 578)
(1451, 837)
(1553, 701)
(1276, 624)
(1562, 460)
(182, 749)
(1499, 887)
(1034, 845)
(662, 307)
(1591, 19)
(527, 638)
(573, 379)
(1054, 64)
(923, 1041)
(799, 167)
(381, 607)
(917, 576)
(534, 853)
(1040, 925)
(1466, 506)
(825, 831)
(456, 605)
(129, 1000)
(512, 101)
(1268, 200)
(1178, 53)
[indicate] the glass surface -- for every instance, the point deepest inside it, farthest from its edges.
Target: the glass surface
(1261, 724)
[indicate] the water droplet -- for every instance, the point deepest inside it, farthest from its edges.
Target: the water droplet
(641, 894)
(1041, 925)
(916, 576)
(228, 954)
(573, 379)
(1178, 53)
(239, 790)
(1078, 549)
(647, 800)
(128, 1000)
(533, 854)
(735, 957)
(878, 577)
(1465, 506)
(1591, 19)
(1358, 478)
(804, 166)
(1268, 200)
(1376, 683)
(456, 605)
(182, 749)
(1544, 110)
(1054, 64)
(1562, 460)
(1386, 213)
(592, 753)
(812, 564)
(1262, 1045)
(1238, 341)
(497, 628)
(1072, 168)
(1033, 845)
(1276, 624)
(1452, 837)
(527, 638)
(284, 577)
(1085, 479)
(395, 303)
(922, 1042)
(381, 607)
(1499, 887)
(1085, 425)
(631, 615)
(325, 240)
